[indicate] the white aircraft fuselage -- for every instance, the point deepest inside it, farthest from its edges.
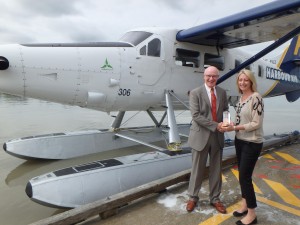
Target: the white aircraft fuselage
(129, 75)
(148, 69)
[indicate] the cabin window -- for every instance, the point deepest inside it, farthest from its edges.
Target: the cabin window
(187, 58)
(260, 71)
(143, 50)
(238, 62)
(214, 60)
(135, 37)
(154, 47)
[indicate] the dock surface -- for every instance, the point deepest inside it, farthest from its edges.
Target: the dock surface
(277, 186)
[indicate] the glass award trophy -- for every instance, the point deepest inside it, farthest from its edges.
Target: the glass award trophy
(226, 118)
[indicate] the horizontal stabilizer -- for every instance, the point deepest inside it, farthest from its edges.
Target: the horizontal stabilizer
(290, 59)
(292, 96)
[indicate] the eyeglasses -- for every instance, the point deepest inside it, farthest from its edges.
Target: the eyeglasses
(212, 76)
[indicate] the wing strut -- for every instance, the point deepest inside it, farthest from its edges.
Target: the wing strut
(262, 53)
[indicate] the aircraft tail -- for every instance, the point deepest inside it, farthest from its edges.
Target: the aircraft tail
(290, 63)
(290, 59)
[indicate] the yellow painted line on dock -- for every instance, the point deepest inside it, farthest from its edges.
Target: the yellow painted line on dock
(283, 193)
(279, 206)
(256, 189)
(288, 158)
(235, 173)
(219, 218)
(268, 156)
(224, 179)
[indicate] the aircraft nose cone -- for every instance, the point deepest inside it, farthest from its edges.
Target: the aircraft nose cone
(28, 190)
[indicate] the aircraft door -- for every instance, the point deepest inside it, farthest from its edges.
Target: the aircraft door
(150, 64)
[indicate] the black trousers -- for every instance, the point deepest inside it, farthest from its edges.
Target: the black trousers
(247, 154)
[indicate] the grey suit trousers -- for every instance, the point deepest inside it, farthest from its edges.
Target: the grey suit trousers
(199, 160)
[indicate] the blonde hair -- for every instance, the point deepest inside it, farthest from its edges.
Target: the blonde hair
(251, 77)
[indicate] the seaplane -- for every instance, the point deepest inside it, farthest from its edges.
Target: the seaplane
(148, 69)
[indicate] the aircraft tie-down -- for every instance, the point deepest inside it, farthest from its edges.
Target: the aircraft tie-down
(150, 69)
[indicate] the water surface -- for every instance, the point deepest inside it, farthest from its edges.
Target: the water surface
(25, 117)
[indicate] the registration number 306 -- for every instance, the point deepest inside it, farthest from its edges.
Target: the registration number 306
(124, 92)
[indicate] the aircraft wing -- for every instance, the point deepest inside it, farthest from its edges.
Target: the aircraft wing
(264, 23)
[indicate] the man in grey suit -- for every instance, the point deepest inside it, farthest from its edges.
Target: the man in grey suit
(207, 138)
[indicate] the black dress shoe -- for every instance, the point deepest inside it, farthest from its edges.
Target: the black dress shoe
(241, 223)
(238, 214)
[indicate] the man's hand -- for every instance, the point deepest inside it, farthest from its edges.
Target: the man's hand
(220, 127)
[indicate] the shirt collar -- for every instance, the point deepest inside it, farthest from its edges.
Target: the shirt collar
(208, 88)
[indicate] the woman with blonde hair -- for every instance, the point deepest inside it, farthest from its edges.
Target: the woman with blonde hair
(248, 141)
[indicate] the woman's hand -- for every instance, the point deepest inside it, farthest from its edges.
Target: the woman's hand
(229, 128)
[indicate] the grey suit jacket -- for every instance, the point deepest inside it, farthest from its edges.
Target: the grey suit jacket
(203, 124)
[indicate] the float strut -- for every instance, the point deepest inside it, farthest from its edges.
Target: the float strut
(118, 120)
(157, 124)
(174, 139)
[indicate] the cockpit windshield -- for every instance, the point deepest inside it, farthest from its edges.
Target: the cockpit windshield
(135, 37)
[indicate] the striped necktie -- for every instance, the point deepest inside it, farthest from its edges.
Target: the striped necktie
(213, 104)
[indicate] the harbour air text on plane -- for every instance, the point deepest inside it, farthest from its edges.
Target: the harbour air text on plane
(150, 69)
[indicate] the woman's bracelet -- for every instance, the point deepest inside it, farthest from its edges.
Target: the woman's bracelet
(234, 128)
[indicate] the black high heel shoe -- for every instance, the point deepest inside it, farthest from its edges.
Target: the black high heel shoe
(238, 214)
(241, 223)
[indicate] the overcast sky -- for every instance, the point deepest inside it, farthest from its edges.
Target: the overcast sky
(105, 20)
(44, 21)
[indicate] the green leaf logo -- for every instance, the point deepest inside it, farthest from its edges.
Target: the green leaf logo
(106, 65)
